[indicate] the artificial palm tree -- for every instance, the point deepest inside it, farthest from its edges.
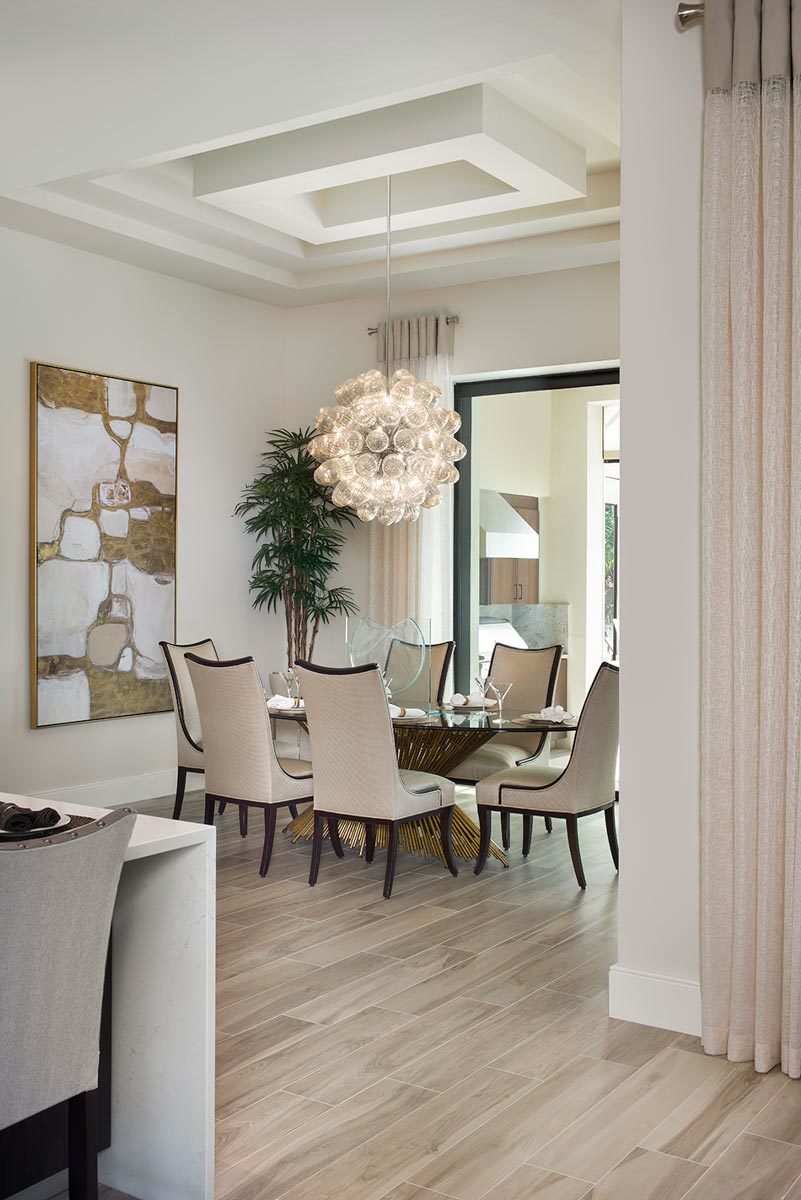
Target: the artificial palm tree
(300, 536)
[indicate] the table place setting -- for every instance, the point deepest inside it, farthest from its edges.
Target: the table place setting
(18, 822)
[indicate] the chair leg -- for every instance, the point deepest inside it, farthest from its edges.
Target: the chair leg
(369, 841)
(317, 847)
(269, 838)
(575, 853)
(528, 825)
(548, 825)
(485, 826)
(243, 820)
(333, 833)
(445, 823)
(208, 815)
(293, 811)
(392, 858)
(221, 807)
(82, 1146)
(611, 833)
(180, 788)
(506, 830)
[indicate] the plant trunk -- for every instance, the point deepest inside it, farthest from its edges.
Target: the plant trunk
(315, 628)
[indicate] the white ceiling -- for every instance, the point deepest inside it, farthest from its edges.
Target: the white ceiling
(147, 141)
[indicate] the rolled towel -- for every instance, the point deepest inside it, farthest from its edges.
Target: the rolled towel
(14, 819)
(474, 700)
(555, 712)
(397, 710)
(284, 702)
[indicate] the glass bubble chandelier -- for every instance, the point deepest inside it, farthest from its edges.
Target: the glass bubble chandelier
(385, 447)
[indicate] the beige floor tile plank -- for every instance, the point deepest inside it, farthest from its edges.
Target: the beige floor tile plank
(370, 936)
(450, 927)
(261, 1124)
(550, 1048)
(590, 1148)
(781, 1116)
(236, 1052)
(686, 1041)
(368, 1172)
(474, 975)
(255, 1007)
(530, 1183)
(647, 1175)
(407, 1191)
(590, 980)
(708, 1121)
(753, 1168)
(362, 992)
(545, 967)
(295, 941)
(291, 1063)
(493, 1037)
(270, 974)
(277, 1168)
(420, 1038)
(474, 1165)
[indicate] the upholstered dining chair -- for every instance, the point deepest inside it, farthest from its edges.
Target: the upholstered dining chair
(586, 785)
(187, 719)
(356, 766)
(242, 766)
(533, 675)
(429, 687)
(57, 895)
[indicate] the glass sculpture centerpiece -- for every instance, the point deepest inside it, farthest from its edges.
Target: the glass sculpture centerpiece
(385, 447)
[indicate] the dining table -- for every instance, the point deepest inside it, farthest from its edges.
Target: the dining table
(436, 742)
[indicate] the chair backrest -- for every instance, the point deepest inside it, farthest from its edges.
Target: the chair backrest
(594, 759)
(533, 675)
(352, 743)
(56, 897)
(187, 718)
(429, 687)
(237, 740)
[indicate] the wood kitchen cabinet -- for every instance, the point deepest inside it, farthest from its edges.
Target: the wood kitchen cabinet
(510, 581)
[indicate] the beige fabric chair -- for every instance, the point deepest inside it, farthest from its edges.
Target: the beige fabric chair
(187, 718)
(586, 785)
(57, 896)
(241, 763)
(429, 687)
(356, 765)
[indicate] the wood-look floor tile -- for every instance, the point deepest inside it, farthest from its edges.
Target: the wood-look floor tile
(544, 967)
(474, 975)
(260, 1124)
(579, 1024)
(368, 1172)
(299, 941)
(488, 1041)
(781, 1116)
(420, 1038)
(475, 1164)
(362, 992)
(448, 929)
(753, 1168)
(277, 1168)
(289, 1064)
(618, 1124)
(647, 1175)
(260, 979)
(708, 1121)
(244, 1048)
(590, 980)
(530, 1183)
(407, 1191)
(369, 936)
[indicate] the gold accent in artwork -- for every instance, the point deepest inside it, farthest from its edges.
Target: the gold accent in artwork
(103, 526)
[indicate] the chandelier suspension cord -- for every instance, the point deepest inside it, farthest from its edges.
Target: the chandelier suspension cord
(389, 270)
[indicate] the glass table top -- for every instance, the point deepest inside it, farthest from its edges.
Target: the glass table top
(464, 719)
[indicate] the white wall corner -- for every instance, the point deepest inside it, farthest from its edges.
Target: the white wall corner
(656, 1000)
(110, 793)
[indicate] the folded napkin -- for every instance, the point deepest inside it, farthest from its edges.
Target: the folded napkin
(474, 700)
(14, 819)
(284, 702)
(397, 710)
(555, 712)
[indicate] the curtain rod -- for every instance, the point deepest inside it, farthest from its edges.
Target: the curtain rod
(371, 329)
(686, 14)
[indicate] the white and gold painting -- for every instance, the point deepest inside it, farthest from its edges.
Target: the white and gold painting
(103, 494)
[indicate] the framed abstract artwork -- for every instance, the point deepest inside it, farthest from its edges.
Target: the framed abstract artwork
(103, 526)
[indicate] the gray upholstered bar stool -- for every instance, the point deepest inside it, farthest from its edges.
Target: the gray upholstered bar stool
(187, 718)
(241, 762)
(356, 766)
(57, 895)
(586, 785)
(533, 675)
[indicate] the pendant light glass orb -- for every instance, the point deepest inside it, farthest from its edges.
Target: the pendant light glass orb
(385, 448)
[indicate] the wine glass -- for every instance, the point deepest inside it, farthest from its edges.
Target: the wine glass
(290, 678)
(500, 690)
(482, 685)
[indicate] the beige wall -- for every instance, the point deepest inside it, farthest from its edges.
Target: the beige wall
(512, 442)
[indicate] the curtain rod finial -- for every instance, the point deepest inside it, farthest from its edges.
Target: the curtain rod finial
(688, 14)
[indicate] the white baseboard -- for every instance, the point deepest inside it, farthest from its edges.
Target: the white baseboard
(109, 793)
(656, 1000)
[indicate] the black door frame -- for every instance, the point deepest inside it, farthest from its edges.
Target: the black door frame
(464, 394)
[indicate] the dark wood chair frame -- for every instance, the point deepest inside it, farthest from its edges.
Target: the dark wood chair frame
(571, 820)
(506, 835)
(270, 819)
(444, 813)
(180, 786)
